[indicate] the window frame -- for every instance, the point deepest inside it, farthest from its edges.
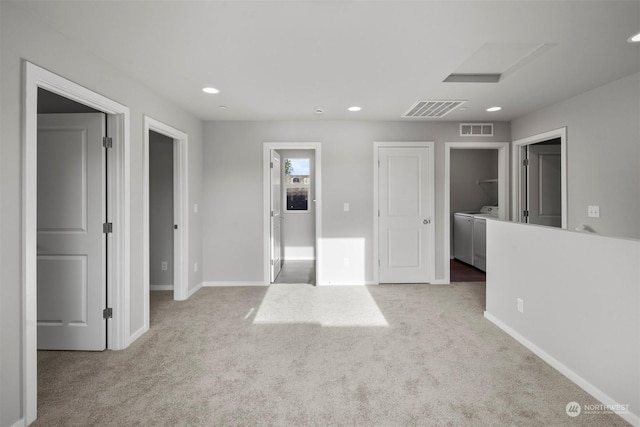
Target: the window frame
(286, 186)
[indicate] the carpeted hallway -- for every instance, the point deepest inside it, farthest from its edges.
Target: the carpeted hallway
(296, 355)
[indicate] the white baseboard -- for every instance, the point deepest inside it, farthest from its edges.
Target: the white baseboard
(299, 259)
(630, 417)
(194, 290)
(160, 287)
(20, 423)
(231, 284)
(137, 334)
(346, 283)
(440, 282)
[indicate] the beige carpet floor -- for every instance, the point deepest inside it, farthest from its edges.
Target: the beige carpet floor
(295, 355)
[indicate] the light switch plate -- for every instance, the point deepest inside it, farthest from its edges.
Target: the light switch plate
(593, 211)
(346, 207)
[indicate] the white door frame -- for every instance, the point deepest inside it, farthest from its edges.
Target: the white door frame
(503, 185)
(180, 212)
(118, 256)
(266, 197)
(376, 203)
(517, 170)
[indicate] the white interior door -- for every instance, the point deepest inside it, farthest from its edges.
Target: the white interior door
(544, 195)
(71, 266)
(404, 226)
(276, 215)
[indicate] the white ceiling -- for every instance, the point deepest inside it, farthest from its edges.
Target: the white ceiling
(282, 59)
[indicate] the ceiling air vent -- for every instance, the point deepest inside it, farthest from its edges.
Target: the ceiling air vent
(476, 129)
(432, 109)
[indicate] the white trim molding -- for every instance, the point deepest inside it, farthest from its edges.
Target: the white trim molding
(503, 189)
(161, 287)
(231, 284)
(518, 144)
(118, 284)
(376, 203)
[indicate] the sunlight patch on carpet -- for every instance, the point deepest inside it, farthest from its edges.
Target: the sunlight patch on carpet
(327, 306)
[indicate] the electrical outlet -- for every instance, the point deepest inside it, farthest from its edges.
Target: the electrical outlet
(593, 211)
(520, 305)
(195, 267)
(164, 266)
(346, 207)
(195, 208)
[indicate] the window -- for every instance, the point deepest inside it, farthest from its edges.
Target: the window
(296, 184)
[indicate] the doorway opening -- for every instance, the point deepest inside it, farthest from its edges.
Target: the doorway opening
(116, 212)
(165, 213)
(540, 190)
(292, 186)
(473, 189)
(476, 186)
(161, 205)
(296, 213)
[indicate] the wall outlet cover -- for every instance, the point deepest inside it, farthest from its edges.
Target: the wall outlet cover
(520, 305)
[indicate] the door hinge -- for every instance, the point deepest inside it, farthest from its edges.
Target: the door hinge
(273, 262)
(107, 142)
(271, 214)
(271, 165)
(175, 226)
(525, 162)
(107, 313)
(107, 227)
(525, 214)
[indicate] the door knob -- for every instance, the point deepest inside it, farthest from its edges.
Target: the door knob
(426, 221)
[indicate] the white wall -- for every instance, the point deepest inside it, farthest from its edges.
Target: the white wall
(23, 37)
(298, 228)
(603, 158)
(160, 209)
(467, 167)
(581, 296)
(233, 179)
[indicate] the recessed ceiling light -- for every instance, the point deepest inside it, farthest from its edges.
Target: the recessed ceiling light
(223, 107)
(492, 109)
(210, 90)
(355, 108)
(634, 39)
(318, 110)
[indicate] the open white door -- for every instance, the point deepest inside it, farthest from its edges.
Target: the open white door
(544, 189)
(71, 253)
(276, 216)
(405, 230)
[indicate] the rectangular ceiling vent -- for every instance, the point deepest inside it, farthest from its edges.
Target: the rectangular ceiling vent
(432, 109)
(476, 129)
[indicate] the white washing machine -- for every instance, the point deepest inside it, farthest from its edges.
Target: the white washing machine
(470, 236)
